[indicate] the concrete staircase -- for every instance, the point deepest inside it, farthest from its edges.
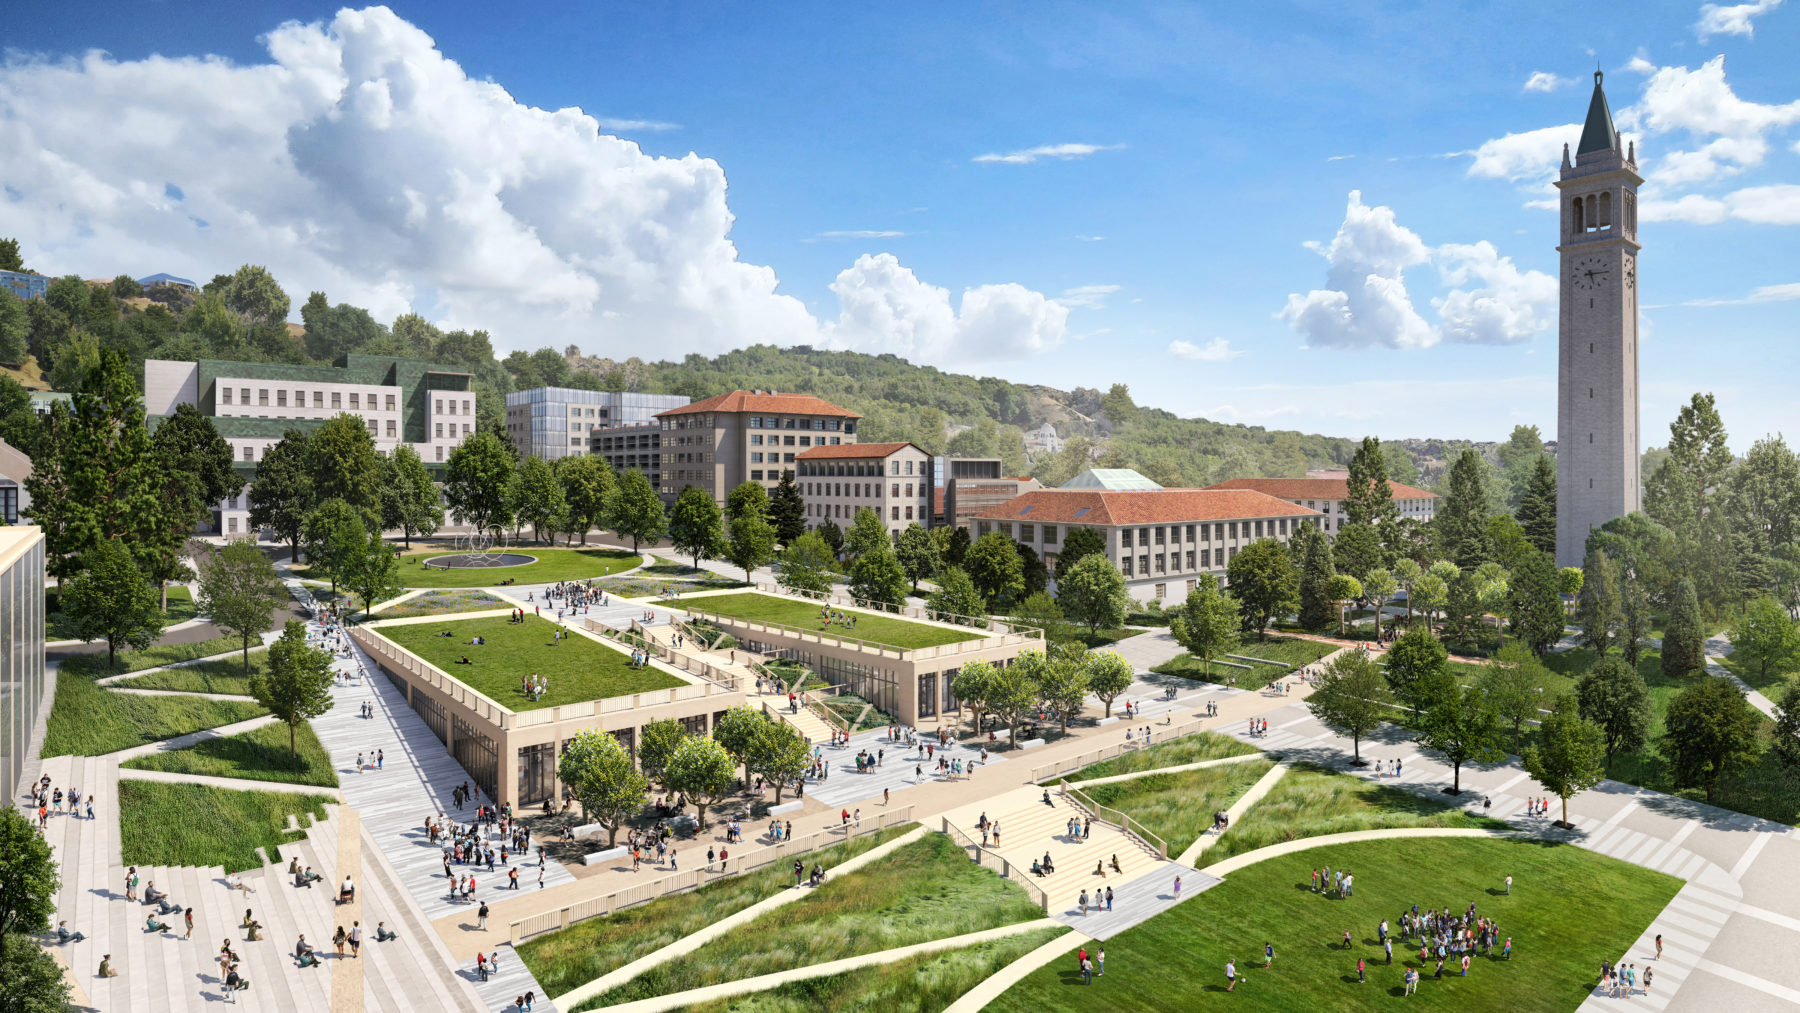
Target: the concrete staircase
(1029, 828)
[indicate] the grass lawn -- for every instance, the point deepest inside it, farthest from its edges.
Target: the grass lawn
(1102, 639)
(1187, 749)
(1178, 807)
(439, 603)
(225, 675)
(923, 984)
(58, 627)
(552, 565)
(1570, 908)
(1312, 802)
(900, 634)
(849, 706)
(94, 666)
(586, 950)
(88, 720)
(577, 668)
(257, 755)
(926, 890)
(1283, 650)
(191, 824)
(1278, 650)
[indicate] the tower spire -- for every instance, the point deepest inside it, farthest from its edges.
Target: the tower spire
(1598, 134)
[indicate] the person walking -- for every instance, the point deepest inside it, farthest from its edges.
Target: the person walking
(1659, 946)
(1268, 955)
(1509, 886)
(356, 939)
(481, 917)
(1230, 976)
(1109, 898)
(1360, 979)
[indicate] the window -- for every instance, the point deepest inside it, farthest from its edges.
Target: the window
(787, 424)
(1159, 564)
(909, 465)
(1159, 536)
(1144, 565)
(756, 422)
(249, 453)
(909, 515)
(466, 407)
(318, 399)
(1234, 529)
(806, 441)
(1284, 525)
(787, 441)
(440, 453)
(756, 476)
(244, 395)
(390, 428)
(1190, 562)
(1259, 525)
(1162, 591)
(466, 432)
(1027, 532)
(226, 391)
(1219, 532)
(1125, 538)
(1125, 564)
(440, 431)
(909, 491)
(372, 431)
(355, 401)
(262, 396)
(756, 440)
(337, 399)
(788, 458)
(895, 511)
(281, 397)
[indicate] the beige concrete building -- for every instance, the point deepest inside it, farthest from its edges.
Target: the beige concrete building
(15, 468)
(1162, 540)
(747, 436)
(893, 479)
(1327, 496)
(634, 448)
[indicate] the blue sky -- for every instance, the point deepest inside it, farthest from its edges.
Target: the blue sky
(1154, 175)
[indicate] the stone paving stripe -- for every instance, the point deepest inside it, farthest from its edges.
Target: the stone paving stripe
(1749, 856)
(1763, 985)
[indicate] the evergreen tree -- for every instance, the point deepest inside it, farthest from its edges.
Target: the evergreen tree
(833, 536)
(1078, 542)
(281, 494)
(1368, 497)
(958, 549)
(1598, 611)
(1537, 510)
(1357, 550)
(1462, 612)
(110, 600)
(1784, 740)
(194, 464)
(1753, 569)
(1535, 600)
(1634, 606)
(787, 512)
(695, 525)
(636, 512)
(1032, 569)
(1684, 639)
(1317, 609)
(1461, 519)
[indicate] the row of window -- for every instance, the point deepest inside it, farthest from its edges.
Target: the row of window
(250, 449)
(860, 490)
(438, 429)
(318, 398)
(772, 458)
(440, 406)
(1197, 559)
(756, 440)
(784, 422)
(895, 467)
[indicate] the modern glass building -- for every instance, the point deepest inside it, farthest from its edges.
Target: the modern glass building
(553, 422)
(21, 650)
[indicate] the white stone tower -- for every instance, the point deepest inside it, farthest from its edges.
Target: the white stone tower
(1597, 437)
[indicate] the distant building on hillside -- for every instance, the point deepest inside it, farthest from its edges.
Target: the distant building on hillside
(1327, 496)
(549, 423)
(152, 281)
(1043, 439)
(24, 284)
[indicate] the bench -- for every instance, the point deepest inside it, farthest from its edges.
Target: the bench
(607, 855)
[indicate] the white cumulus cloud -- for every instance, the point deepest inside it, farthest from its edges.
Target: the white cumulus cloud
(1510, 306)
(1731, 19)
(1060, 152)
(1530, 154)
(1216, 350)
(1543, 80)
(886, 308)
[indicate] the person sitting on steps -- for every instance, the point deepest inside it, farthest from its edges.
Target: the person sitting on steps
(383, 934)
(152, 925)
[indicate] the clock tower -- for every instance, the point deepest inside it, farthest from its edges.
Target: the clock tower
(1597, 437)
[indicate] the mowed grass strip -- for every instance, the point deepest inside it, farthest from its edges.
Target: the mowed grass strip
(552, 565)
(586, 950)
(89, 720)
(1194, 748)
(900, 634)
(225, 675)
(95, 666)
(191, 824)
(260, 754)
(1312, 801)
(1281, 650)
(577, 668)
(926, 890)
(923, 984)
(1178, 807)
(1568, 909)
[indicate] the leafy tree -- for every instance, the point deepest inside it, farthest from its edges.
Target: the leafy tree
(1117, 406)
(1350, 698)
(478, 483)
(1766, 635)
(18, 420)
(750, 543)
(1378, 587)
(1317, 608)
(254, 294)
(787, 511)
(587, 484)
(695, 525)
(110, 600)
(1763, 491)
(1091, 593)
(1512, 686)
(240, 592)
(332, 333)
(597, 770)
(1597, 612)
(1709, 733)
(956, 596)
(1040, 611)
(833, 536)
(28, 878)
(281, 494)
(1684, 639)
(1537, 508)
(957, 550)
(636, 511)
(805, 565)
(780, 754)
(737, 730)
(1012, 692)
(374, 574)
(918, 554)
(1462, 728)
(345, 466)
(1343, 589)
(538, 496)
(1417, 665)
(748, 499)
(701, 769)
(34, 979)
(1408, 573)
(971, 686)
(661, 739)
(194, 467)
(298, 684)
(409, 498)
(10, 261)
(1262, 579)
(1077, 543)
(1509, 541)
(993, 564)
(877, 576)
(866, 532)
(1568, 757)
(1461, 519)
(1635, 605)
(335, 540)
(1536, 602)
(1209, 624)
(1785, 739)
(1108, 675)
(1357, 550)
(15, 329)
(1062, 683)
(1613, 696)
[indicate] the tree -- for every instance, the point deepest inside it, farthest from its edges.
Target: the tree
(1062, 683)
(28, 879)
(737, 730)
(9, 255)
(15, 329)
(281, 494)
(918, 554)
(239, 592)
(35, 982)
(332, 333)
(661, 738)
(1461, 519)
(701, 769)
(1417, 665)
(193, 467)
(787, 511)
(1512, 686)
(345, 466)
(1317, 608)
(1040, 611)
(1079, 542)
(1462, 728)
(1764, 491)
(1567, 759)
(636, 511)
(374, 573)
(1709, 733)
(971, 686)
(780, 754)
(866, 532)
(750, 543)
(1368, 497)
(695, 525)
(298, 684)
(335, 539)
(1431, 592)
(1785, 740)
(956, 598)
(1357, 550)
(1684, 639)
(587, 484)
(1766, 635)
(1350, 698)
(18, 420)
(409, 498)
(993, 564)
(478, 483)
(1612, 695)
(1012, 692)
(1342, 590)
(1262, 579)
(748, 499)
(1635, 605)
(1536, 602)
(1091, 593)
(1117, 406)
(1032, 569)
(1209, 624)
(833, 535)
(596, 768)
(805, 565)
(1537, 509)
(957, 549)
(537, 496)
(1108, 675)
(1597, 612)
(1569, 581)
(110, 600)
(1378, 587)
(1407, 573)
(254, 295)
(877, 576)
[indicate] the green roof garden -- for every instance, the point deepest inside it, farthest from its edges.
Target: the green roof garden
(578, 669)
(873, 627)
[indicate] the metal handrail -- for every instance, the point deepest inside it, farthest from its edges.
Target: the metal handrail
(1131, 827)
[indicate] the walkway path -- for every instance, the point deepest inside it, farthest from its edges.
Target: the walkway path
(1235, 814)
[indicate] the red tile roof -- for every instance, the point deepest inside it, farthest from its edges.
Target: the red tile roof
(1146, 506)
(860, 451)
(1314, 488)
(750, 401)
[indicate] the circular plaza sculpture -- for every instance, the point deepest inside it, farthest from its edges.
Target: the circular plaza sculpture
(478, 551)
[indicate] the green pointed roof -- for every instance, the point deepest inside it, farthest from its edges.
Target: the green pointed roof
(1598, 134)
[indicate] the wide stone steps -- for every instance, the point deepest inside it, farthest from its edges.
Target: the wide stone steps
(1029, 831)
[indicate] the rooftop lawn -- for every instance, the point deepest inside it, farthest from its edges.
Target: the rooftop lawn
(577, 668)
(552, 565)
(439, 603)
(1569, 908)
(900, 634)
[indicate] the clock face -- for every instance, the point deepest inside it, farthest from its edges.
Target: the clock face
(1589, 273)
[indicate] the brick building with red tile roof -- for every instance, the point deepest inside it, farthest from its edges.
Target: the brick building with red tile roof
(745, 436)
(1327, 496)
